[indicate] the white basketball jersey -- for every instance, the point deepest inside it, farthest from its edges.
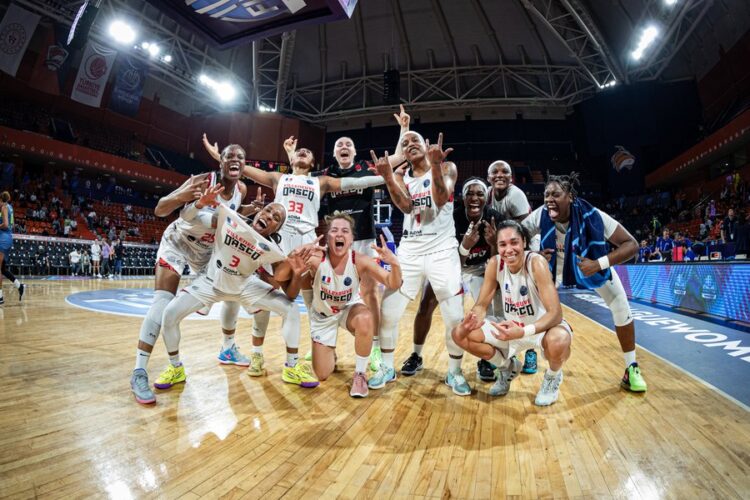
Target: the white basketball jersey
(427, 229)
(334, 292)
(238, 252)
(521, 301)
(198, 232)
(300, 195)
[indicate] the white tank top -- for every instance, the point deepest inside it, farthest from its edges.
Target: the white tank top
(239, 251)
(334, 292)
(521, 301)
(198, 232)
(300, 195)
(427, 229)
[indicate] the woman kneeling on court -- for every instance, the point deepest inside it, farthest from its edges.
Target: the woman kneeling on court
(239, 250)
(336, 274)
(532, 310)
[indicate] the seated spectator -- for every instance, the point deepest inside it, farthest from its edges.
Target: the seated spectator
(644, 252)
(85, 263)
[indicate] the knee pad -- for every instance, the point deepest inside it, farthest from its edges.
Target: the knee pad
(620, 308)
(260, 323)
(228, 314)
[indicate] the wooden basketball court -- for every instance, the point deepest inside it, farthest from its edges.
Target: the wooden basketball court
(69, 426)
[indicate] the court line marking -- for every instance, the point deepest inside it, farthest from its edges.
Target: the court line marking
(673, 365)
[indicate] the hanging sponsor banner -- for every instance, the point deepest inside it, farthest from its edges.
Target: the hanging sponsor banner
(93, 73)
(53, 63)
(622, 160)
(126, 94)
(15, 34)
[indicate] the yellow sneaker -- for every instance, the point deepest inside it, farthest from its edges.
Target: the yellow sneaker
(301, 375)
(171, 376)
(256, 365)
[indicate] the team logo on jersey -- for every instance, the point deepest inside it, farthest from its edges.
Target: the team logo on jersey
(507, 287)
(347, 281)
(524, 290)
(264, 247)
(358, 168)
(310, 182)
(231, 222)
(231, 206)
(325, 279)
(218, 263)
(426, 182)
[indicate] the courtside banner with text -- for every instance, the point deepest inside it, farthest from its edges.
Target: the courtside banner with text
(718, 289)
(93, 73)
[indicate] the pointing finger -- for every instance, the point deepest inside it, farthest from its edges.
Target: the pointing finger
(374, 156)
(440, 141)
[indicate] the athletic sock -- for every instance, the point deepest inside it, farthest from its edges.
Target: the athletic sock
(418, 348)
(552, 373)
(454, 364)
(629, 357)
(375, 342)
(17, 283)
(228, 341)
(257, 349)
(360, 363)
(291, 359)
(499, 360)
(141, 358)
(388, 359)
(175, 360)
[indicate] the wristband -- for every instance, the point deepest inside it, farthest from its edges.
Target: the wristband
(529, 330)
(603, 262)
(463, 250)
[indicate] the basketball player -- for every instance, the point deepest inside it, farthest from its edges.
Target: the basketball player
(533, 316)
(337, 274)
(6, 242)
(512, 203)
(186, 241)
(427, 250)
(238, 251)
(359, 204)
(578, 257)
(475, 231)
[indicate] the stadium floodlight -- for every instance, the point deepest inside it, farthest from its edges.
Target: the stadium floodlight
(648, 36)
(670, 2)
(225, 91)
(167, 58)
(121, 31)
(145, 45)
(154, 50)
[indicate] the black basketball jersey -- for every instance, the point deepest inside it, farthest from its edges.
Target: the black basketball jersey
(479, 253)
(357, 203)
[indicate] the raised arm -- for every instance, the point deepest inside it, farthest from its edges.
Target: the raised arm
(395, 183)
(444, 174)
(191, 190)
(290, 146)
(403, 120)
(369, 266)
(270, 179)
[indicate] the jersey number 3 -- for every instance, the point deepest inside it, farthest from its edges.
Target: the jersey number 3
(235, 261)
(295, 207)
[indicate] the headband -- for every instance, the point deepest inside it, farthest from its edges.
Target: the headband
(472, 182)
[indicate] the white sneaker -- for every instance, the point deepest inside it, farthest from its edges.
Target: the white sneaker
(203, 311)
(549, 390)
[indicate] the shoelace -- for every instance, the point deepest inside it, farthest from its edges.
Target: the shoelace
(550, 384)
(141, 382)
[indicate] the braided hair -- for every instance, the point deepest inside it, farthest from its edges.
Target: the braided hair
(568, 183)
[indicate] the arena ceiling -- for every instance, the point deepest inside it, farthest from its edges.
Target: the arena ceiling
(454, 57)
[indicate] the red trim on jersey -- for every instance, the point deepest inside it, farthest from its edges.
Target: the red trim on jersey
(164, 263)
(353, 254)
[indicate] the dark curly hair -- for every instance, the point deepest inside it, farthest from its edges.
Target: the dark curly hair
(567, 182)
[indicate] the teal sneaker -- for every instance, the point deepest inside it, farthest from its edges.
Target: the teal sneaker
(505, 376)
(141, 390)
(456, 381)
(529, 361)
(233, 356)
(382, 376)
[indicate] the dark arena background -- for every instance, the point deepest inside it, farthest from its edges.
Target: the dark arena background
(103, 106)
